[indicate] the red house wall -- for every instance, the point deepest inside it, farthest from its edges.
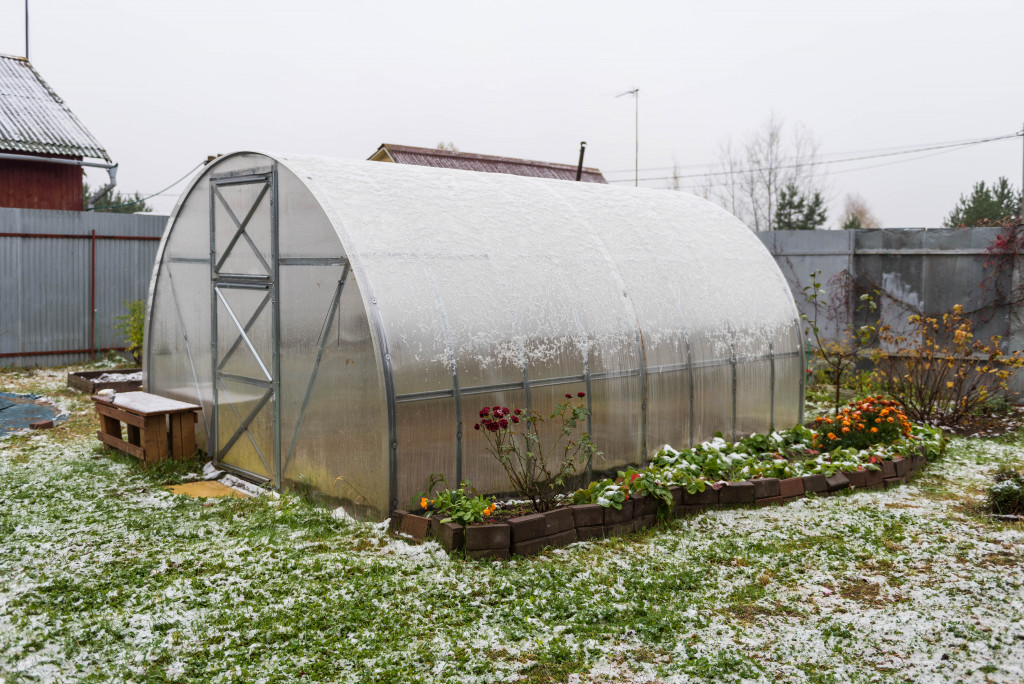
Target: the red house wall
(40, 185)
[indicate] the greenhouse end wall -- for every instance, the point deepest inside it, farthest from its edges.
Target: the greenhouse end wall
(345, 321)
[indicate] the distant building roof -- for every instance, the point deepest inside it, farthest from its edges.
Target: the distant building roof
(446, 159)
(34, 119)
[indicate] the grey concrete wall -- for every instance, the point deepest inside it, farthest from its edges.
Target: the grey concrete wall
(918, 270)
(47, 283)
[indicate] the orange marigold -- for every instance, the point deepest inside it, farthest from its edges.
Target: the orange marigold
(423, 502)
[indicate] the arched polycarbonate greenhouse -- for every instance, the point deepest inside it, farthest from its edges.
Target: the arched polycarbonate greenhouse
(342, 323)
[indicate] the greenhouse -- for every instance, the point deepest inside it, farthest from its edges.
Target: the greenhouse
(341, 323)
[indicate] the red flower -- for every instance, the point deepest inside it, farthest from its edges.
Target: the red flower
(581, 394)
(518, 411)
(515, 419)
(503, 423)
(568, 396)
(633, 479)
(477, 426)
(484, 411)
(497, 408)
(493, 427)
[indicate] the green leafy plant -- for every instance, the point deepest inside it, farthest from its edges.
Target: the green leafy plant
(463, 505)
(838, 355)
(606, 492)
(1006, 497)
(132, 325)
(513, 440)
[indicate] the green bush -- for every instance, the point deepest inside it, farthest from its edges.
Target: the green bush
(132, 325)
(1007, 494)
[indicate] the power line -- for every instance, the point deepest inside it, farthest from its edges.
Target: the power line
(820, 162)
(868, 150)
(143, 199)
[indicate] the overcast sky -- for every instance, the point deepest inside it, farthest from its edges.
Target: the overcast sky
(163, 84)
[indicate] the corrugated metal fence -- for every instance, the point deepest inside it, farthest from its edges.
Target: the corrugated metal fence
(64, 277)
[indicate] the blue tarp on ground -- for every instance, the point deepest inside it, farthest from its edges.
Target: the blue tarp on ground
(18, 411)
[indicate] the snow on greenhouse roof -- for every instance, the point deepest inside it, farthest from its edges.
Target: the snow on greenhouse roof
(486, 163)
(33, 118)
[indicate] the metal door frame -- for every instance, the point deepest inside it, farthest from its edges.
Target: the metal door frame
(269, 283)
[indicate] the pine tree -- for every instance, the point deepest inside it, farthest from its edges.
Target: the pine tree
(797, 212)
(986, 205)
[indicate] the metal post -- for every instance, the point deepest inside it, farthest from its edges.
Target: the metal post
(92, 294)
(579, 166)
(636, 137)
(635, 92)
(26, 30)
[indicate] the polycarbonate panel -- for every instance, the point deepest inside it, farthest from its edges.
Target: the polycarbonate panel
(478, 465)
(241, 251)
(303, 228)
(426, 445)
(340, 447)
(617, 426)
(753, 397)
(788, 394)
(245, 416)
(178, 341)
(245, 333)
(668, 409)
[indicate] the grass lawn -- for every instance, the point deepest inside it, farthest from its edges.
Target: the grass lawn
(104, 576)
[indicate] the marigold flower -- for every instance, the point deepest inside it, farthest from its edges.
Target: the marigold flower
(423, 502)
(846, 429)
(889, 419)
(831, 435)
(874, 429)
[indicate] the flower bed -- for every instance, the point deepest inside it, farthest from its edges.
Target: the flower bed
(527, 535)
(759, 470)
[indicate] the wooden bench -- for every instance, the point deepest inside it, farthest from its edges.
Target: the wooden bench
(146, 421)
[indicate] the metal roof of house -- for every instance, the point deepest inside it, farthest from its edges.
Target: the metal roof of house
(446, 159)
(34, 119)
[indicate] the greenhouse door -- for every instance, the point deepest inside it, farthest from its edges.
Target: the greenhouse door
(245, 337)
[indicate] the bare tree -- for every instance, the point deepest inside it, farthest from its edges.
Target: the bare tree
(748, 177)
(857, 215)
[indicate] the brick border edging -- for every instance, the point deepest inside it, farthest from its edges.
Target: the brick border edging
(527, 535)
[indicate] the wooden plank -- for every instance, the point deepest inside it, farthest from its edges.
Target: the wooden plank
(122, 445)
(183, 436)
(134, 435)
(130, 418)
(111, 426)
(154, 438)
(146, 404)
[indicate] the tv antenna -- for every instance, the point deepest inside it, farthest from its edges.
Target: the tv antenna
(635, 92)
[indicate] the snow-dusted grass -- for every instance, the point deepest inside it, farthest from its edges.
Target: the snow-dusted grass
(106, 577)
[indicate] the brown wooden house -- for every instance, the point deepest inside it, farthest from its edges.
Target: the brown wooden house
(486, 163)
(43, 145)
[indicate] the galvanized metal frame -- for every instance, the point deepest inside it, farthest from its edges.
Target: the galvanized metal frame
(269, 282)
